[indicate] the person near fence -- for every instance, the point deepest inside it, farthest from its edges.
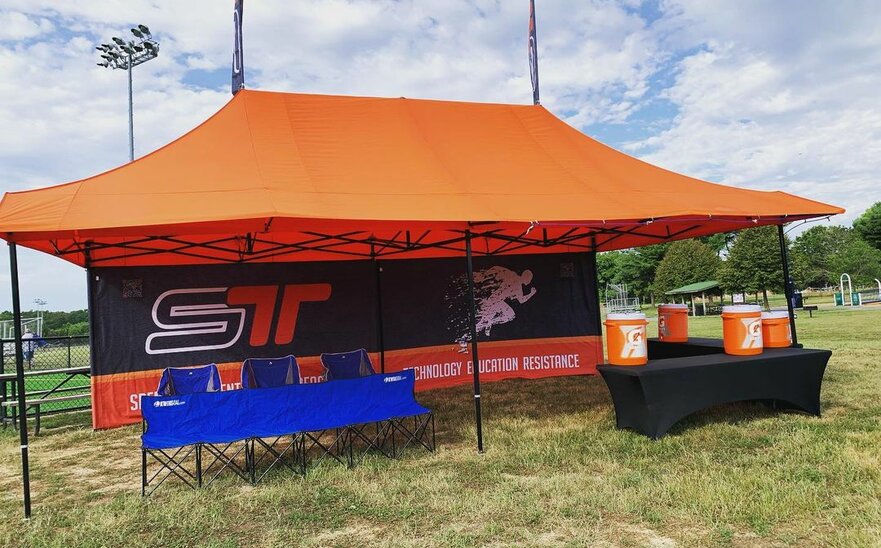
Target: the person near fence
(28, 345)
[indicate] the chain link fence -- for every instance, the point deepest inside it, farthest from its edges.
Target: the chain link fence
(56, 368)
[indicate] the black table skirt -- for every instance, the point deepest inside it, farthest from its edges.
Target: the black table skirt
(694, 347)
(652, 398)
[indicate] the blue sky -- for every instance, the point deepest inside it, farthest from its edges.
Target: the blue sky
(767, 95)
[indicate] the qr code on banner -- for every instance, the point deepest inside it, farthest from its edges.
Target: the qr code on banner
(567, 270)
(132, 289)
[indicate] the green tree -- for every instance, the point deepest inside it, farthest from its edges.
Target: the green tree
(608, 268)
(719, 242)
(686, 262)
(634, 267)
(821, 254)
(57, 324)
(868, 225)
(651, 257)
(754, 263)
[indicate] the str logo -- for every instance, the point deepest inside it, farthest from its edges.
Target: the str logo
(220, 322)
(634, 337)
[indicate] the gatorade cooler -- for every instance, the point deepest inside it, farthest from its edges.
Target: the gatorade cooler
(673, 323)
(625, 338)
(742, 329)
(776, 332)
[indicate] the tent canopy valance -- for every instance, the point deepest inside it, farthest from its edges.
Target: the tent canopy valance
(282, 177)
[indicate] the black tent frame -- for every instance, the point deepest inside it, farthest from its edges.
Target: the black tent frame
(251, 248)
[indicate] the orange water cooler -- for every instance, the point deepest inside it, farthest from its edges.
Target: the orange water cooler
(742, 329)
(776, 331)
(626, 338)
(673, 323)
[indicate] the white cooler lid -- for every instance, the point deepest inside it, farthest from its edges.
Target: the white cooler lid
(678, 306)
(741, 309)
(775, 315)
(626, 316)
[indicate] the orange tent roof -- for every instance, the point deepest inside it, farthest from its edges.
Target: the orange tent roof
(281, 176)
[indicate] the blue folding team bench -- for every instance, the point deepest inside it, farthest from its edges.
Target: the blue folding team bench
(232, 426)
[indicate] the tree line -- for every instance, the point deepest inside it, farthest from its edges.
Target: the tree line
(749, 260)
(58, 324)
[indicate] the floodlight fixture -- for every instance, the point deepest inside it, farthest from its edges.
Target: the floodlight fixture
(122, 54)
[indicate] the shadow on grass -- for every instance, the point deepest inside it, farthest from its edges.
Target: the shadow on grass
(743, 412)
(514, 399)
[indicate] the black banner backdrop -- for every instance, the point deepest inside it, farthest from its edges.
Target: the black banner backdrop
(149, 318)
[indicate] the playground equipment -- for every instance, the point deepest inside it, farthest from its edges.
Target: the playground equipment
(856, 298)
(620, 301)
(846, 299)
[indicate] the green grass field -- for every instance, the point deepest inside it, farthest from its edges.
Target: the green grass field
(54, 358)
(556, 472)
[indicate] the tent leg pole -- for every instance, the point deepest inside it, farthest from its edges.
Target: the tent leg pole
(380, 334)
(787, 283)
(91, 286)
(475, 363)
(3, 394)
(19, 380)
(596, 288)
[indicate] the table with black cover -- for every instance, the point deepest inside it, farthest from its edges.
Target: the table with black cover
(682, 378)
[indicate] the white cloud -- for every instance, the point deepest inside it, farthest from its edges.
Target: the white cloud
(15, 25)
(778, 95)
(771, 95)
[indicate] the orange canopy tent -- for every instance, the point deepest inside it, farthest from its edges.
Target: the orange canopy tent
(291, 177)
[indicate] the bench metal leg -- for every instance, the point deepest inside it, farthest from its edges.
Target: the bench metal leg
(37, 422)
(199, 465)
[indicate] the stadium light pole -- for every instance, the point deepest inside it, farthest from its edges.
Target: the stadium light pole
(41, 308)
(121, 54)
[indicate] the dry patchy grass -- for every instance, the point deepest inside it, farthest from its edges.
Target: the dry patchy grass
(556, 472)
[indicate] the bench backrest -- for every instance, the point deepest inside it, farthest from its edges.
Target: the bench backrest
(270, 372)
(233, 415)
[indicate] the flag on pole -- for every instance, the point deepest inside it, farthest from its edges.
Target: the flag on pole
(238, 68)
(533, 53)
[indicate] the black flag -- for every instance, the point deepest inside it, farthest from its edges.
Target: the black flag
(533, 53)
(238, 68)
